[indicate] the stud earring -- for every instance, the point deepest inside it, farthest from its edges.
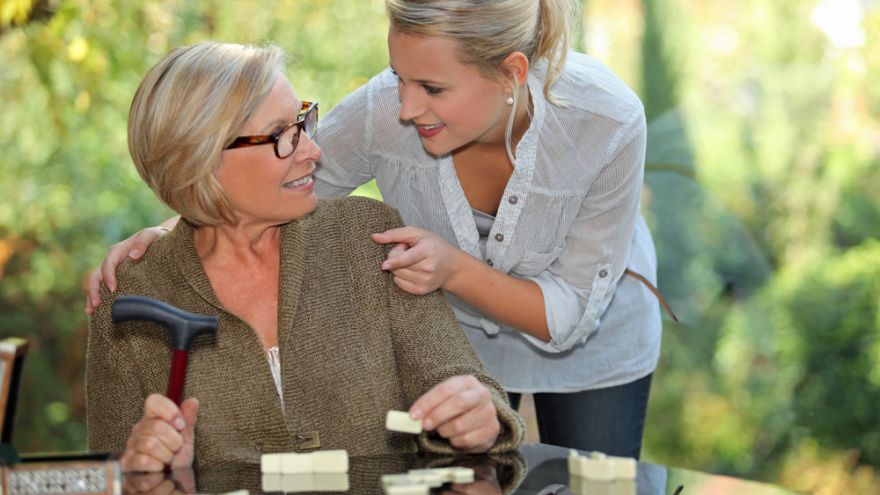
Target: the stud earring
(509, 100)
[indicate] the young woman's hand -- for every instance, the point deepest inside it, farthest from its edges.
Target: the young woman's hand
(460, 409)
(421, 261)
(134, 247)
(165, 435)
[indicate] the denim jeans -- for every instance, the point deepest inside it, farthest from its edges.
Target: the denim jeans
(609, 420)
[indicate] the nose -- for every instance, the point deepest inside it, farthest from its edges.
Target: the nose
(307, 150)
(411, 104)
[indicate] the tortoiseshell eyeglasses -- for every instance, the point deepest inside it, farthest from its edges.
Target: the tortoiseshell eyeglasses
(286, 137)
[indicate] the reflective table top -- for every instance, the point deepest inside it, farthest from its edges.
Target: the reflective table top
(536, 469)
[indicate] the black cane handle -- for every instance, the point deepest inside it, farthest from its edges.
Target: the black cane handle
(182, 326)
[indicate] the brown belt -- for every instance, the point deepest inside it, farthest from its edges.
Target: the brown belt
(653, 290)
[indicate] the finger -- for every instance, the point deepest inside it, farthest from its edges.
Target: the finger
(116, 255)
(467, 421)
(157, 406)
(477, 441)
(141, 483)
(397, 249)
(160, 446)
(412, 256)
(454, 407)
(134, 461)
(405, 235)
(94, 292)
(190, 410)
(440, 393)
(411, 287)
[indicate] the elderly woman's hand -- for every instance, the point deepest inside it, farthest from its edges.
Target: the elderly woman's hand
(460, 409)
(165, 435)
(421, 261)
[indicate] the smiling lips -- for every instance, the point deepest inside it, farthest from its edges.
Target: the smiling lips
(427, 131)
(300, 183)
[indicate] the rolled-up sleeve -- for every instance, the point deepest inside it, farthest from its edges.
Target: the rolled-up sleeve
(578, 286)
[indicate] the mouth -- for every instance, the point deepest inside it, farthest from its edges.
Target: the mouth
(430, 130)
(302, 181)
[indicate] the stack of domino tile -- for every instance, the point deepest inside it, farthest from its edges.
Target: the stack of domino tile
(323, 470)
(420, 481)
(599, 474)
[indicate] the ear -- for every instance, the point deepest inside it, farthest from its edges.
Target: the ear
(517, 67)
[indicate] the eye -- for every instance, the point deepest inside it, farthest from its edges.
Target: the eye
(432, 90)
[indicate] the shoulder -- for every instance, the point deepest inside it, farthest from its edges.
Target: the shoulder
(357, 214)
(153, 270)
(588, 86)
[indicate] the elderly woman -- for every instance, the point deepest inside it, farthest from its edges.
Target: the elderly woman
(315, 343)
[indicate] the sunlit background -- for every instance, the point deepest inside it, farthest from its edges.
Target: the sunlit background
(763, 192)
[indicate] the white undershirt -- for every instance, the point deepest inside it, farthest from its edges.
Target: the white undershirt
(275, 368)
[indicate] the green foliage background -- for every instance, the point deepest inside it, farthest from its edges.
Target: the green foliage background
(763, 191)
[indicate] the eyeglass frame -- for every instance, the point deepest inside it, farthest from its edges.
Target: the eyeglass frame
(307, 108)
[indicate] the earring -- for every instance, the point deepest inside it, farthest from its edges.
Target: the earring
(509, 100)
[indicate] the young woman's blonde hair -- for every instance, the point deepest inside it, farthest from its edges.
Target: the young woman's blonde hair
(188, 108)
(487, 31)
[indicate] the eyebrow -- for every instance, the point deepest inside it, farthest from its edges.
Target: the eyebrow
(419, 81)
(275, 124)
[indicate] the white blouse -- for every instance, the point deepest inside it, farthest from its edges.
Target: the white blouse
(569, 221)
(275, 368)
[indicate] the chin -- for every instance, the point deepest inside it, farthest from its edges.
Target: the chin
(303, 207)
(438, 149)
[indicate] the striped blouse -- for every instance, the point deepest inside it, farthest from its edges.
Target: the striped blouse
(569, 221)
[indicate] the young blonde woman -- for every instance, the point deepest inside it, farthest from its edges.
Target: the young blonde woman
(517, 167)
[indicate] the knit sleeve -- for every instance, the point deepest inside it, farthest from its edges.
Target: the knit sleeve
(114, 396)
(430, 347)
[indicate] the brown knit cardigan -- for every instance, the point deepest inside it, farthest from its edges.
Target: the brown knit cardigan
(352, 346)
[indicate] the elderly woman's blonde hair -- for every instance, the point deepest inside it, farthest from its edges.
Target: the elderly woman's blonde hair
(188, 108)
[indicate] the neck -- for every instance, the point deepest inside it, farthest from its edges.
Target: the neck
(243, 242)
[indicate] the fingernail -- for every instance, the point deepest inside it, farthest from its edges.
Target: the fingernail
(179, 423)
(134, 253)
(427, 424)
(112, 287)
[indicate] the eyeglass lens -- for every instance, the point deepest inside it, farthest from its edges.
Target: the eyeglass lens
(288, 140)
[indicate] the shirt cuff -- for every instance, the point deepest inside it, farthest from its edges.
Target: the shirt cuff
(572, 314)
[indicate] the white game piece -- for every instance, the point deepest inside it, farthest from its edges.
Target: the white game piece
(577, 485)
(270, 463)
(271, 482)
(623, 468)
(597, 468)
(430, 477)
(458, 474)
(330, 482)
(237, 492)
(407, 489)
(623, 487)
(401, 421)
(314, 482)
(294, 463)
(330, 461)
(396, 479)
(574, 464)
